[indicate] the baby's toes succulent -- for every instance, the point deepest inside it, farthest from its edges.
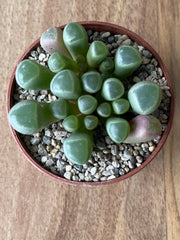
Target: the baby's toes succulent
(97, 52)
(90, 122)
(52, 41)
(144, 97)
(66, 85)
(76, 40)
(78, 147)
(112, 89)
(58, 62)
(143, 128)
(92, 81)
(120, 106)
(127, 60)
(87, 104)
(117, 129)
(107, 66)
(33, 76)
(104, 109)
(71, 123)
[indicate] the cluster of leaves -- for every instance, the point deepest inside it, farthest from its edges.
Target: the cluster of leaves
(89, 86)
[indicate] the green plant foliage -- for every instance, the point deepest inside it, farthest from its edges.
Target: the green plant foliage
(145, 97)
(127, 60)
(112, 89)
(104, 109)
(33, 76)
(78, 147)
(71, 123)
(87, 104)
(117, 128)
(120, 106)
(66, 85)
(58, 62)
(28, 117)
(86, 82)
(107, 66)
(92, 81)
(90, 122)
(76, 40)
(97, 52)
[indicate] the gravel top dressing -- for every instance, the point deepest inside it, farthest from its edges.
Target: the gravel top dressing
(109, 160)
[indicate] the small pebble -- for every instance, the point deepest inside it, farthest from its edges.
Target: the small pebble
(49, 162)
(93, 171)
(35, 140)
(151, 148)
(115, 164)
(68, 168)
(42, 57)
(126, 42)
(111, 177)
(68, 175)
(105, 35)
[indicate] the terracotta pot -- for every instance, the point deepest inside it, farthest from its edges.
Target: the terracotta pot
(106, 27)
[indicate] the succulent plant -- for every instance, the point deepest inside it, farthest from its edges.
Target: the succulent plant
(89, 85)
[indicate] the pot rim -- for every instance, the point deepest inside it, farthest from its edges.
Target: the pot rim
(115, 29)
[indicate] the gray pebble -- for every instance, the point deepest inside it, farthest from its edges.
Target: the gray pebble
(121, 172)
(46, 140)
(49, 162)
(35, 140)
(93, 170)
(68, 175)
(44, 159)
(115, 164)
(114, 150)
(147, 54)
(106, 173)
(103, 179)
(127, 154)
(81, 176)
(48, 133)
(126, 42)
(105, 35)
(41, 150)
(78, 167)
(111, 177)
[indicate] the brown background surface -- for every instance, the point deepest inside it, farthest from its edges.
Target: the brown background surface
(33, 206)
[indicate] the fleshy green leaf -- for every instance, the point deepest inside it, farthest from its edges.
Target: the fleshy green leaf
(112, 89)
(104, 109)
(92, 81)
(107, 66)
(91, 122)
(60, 108)
(127, 60)
(71, 123)
(78, 147)
(33, 76)
(144, 97)
(120, 106)
(28, 117)
(76, 40)
(87, 104)
(66, 85)
(117, 129)
(97, 52)
(58, 62)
